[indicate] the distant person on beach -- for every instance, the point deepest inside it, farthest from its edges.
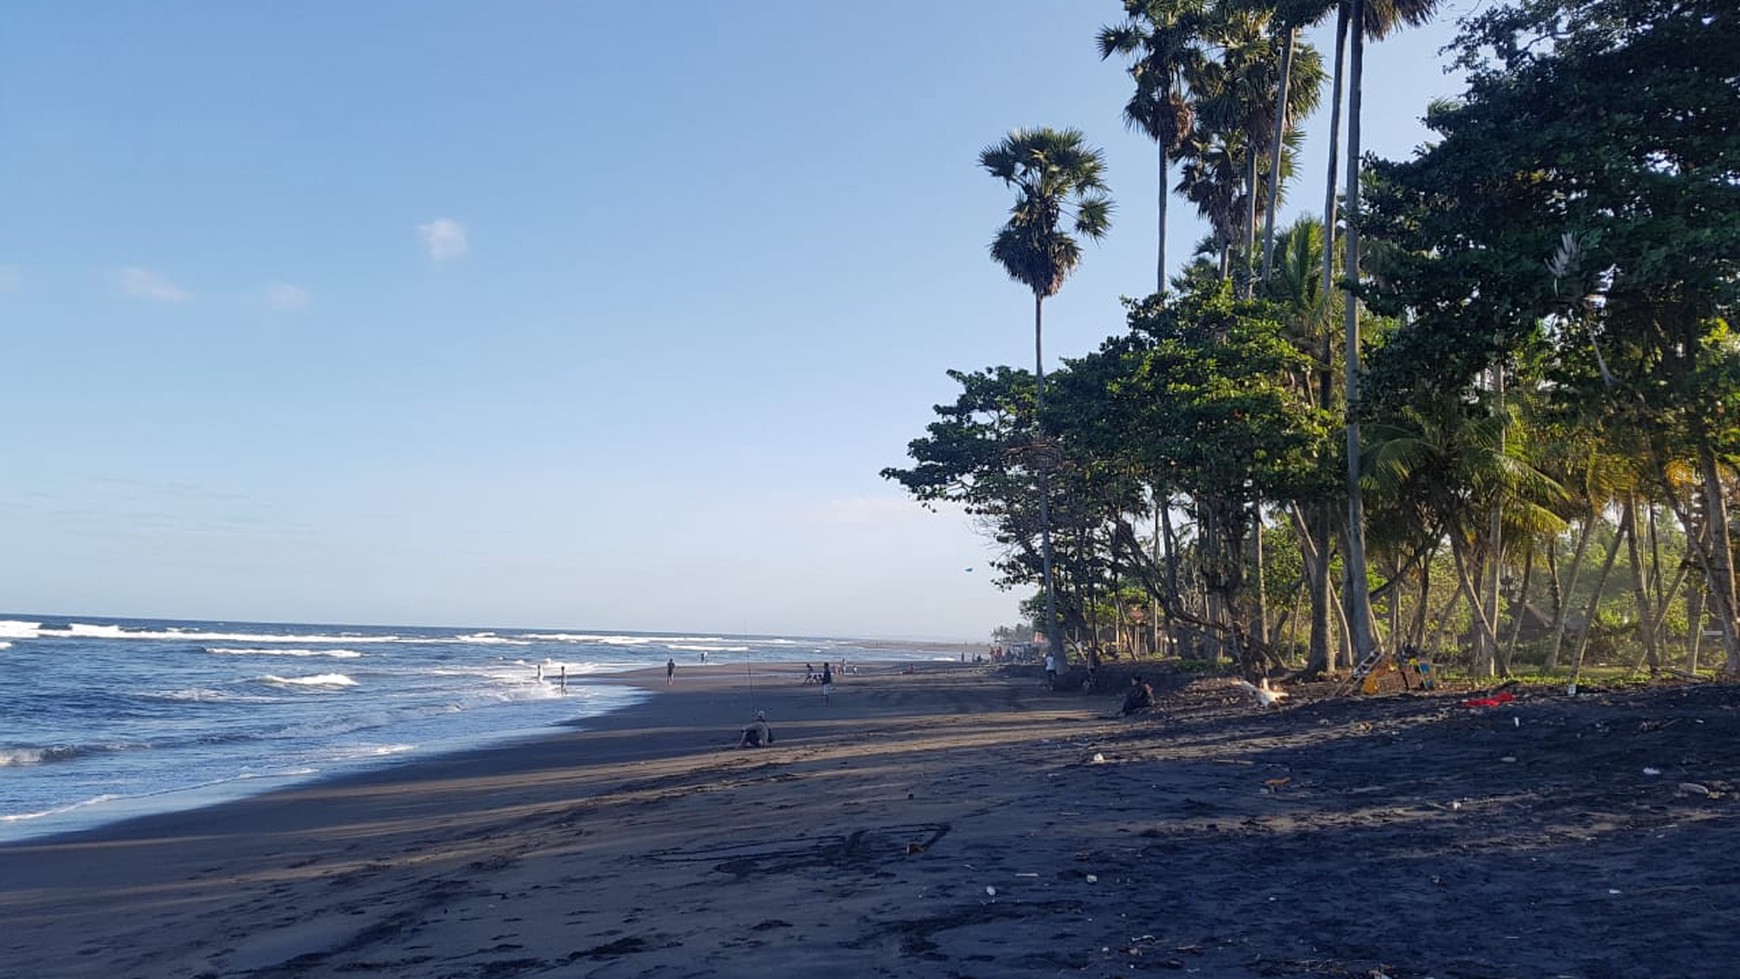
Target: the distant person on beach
(1051, 670)
(1140, 697)
(756, 733)
(827, 682)
(809, 673)
(670, 671)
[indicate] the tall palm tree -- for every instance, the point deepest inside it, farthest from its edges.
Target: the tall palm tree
(1057, 177)
(1375, 18)
(1164, 37)
(1311, 312)
(1239, 94)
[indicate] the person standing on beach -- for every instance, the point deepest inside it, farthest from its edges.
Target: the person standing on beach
(827, 681)
(670, 671)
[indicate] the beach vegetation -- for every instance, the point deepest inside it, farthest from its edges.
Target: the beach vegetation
(1486, 407)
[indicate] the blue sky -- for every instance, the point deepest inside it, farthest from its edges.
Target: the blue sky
(601, 315)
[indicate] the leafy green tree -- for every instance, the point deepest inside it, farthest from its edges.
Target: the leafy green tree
(1058, 179)
(1588, 181)
(1199, 399)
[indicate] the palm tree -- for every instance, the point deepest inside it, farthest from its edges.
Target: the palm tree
(1376, 18)
(1054, 172)
(1456, 461)
(1165, 38)
(1311, 313)
(1239, 94)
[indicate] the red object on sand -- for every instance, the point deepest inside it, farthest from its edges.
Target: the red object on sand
(1492, 701)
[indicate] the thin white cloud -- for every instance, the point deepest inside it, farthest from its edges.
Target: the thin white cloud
(282, 295)
(444, 238)
(11, 278)
(146, 284)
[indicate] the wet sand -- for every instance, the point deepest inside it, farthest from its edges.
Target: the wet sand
(953, 821)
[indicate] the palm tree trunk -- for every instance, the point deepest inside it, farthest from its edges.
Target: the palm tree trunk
(1160, 264)
(1248, 229)
(1358, 592)
(1645, 607)
(1695, 626)
(1562, 607)
(1053, 635)
(1334, 147)
(1721, 564)
(1495, 529)
(1417, 631)
(1595, 603)
(1261, 630)
(1275, 153)
(1466, 581)
(1522, 608)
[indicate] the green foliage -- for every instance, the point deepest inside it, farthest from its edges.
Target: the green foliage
(1591, 181)
(1053, 172)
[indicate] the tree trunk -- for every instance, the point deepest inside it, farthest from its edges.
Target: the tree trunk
(1248, 229)
(1316, 564)
(1417, 631)
(1260, 628)
(1358, 592)
(1645, 607)
(1334, 146)
(1564, 606)
(1721, 564)
(1495, 532)
(1463, 578)
(1522, 609)
(1173, 640)
(1275, 152)
(1595, 603)
(1053, 631)
(1695, 623)
(1160, 264)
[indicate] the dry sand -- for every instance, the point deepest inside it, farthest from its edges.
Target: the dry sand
(951, 822)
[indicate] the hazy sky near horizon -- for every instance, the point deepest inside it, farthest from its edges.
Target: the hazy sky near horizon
(601, 315)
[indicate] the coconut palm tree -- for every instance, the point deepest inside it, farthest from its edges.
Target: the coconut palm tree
(1311, 316)
(1165, 39)
(1375, 18)
(1239, 94)
(1058, 179)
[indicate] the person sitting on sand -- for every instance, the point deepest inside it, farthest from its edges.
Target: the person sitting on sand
(756, 733)
(1140, 697)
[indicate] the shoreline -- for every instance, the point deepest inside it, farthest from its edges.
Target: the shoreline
(950, 820)
(86, 817)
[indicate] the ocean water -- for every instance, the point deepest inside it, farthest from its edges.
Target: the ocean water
(103, 719)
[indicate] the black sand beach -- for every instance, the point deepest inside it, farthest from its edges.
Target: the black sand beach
(952, 821)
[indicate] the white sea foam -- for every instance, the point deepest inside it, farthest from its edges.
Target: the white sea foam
(247, 651)
(20, 757)
(19, 817)
(5, 645)
(491, 639)
(610, 639)
(82, 630)
(18, 629)
(318, 680)
(698, 647)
